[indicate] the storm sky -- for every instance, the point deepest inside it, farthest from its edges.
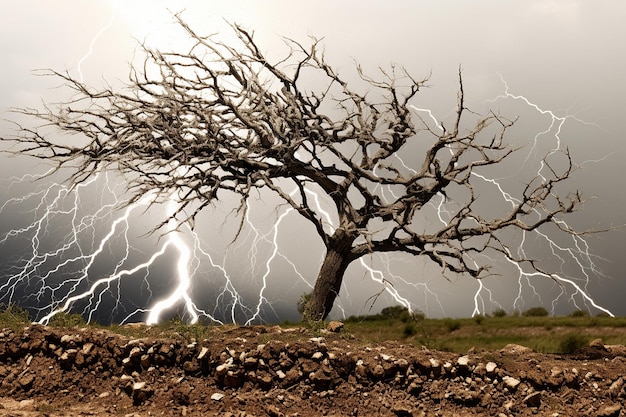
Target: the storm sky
(564, 56)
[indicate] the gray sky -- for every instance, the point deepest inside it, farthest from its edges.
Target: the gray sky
(565, 56)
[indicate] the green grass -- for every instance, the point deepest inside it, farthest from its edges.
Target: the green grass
(544, 334)
(13, 317)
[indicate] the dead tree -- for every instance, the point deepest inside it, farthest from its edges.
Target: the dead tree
(222, 119)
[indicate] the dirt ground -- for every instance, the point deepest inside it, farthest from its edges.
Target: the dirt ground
(269, 371)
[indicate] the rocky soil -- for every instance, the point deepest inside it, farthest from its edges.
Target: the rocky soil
(269, 371)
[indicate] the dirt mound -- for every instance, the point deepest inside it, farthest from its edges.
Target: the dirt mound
(259, 371)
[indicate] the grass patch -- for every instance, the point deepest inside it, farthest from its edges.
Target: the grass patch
(13, 317)
(571, 342)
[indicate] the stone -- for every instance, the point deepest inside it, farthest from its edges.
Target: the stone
(26, 403)
(141, 392)
(597, 343)
(135, 352)
(463, 361)
(217, 396)
(491, 367)
(533, 399)
(87, 348)
(513, 349)
(203, 352)
(334, 326)
(26, 381)
(616, 387)
(402, 411)
(610, 411)
(510, 382)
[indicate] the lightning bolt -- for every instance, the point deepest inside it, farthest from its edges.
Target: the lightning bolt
(578, 254)
(91, 46)
(68, 274)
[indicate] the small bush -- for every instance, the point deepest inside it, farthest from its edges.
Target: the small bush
(304, 300)
(535, 312)
(14, 316)
(479, 318)
(579, 313)
(409, 329)
(571, 342)
(499, 312)
(68, 320)
(396, 313)
(452, 325)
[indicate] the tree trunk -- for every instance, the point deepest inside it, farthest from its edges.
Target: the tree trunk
(329, 280)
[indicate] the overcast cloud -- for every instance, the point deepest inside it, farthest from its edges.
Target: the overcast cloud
(565, 56)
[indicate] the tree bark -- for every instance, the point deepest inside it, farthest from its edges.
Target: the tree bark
(329, 279)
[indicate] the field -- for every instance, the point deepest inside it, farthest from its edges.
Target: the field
(543, 334)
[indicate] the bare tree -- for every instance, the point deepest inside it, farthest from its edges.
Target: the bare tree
(222, 119)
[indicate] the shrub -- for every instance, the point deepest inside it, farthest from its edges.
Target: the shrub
(579, 313)
(409, 329)
(14, 316)
(400, 313)
(499, 312)
(572, 342)
(452, 325)
(67, 320)
(478, 318)
(395, 312)
(535, 312)
(303, 302)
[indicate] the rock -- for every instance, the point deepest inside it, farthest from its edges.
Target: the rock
(616, 387)
(87, 348)
(26, 403)
(145, 361)
(533, 399)
(217, 396)
(135, 352)
(491, 367)
(232, 379)
(67, 357)
(203, 352)
(191, 367)
(402, 411)
(464, 396)
(378, 371)
(223, 368)
(26, 381)
(610, 411)
(463, 361)
(597, 344)
(141, 392)
(510, 382)
(334, 326)
(513, 349)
